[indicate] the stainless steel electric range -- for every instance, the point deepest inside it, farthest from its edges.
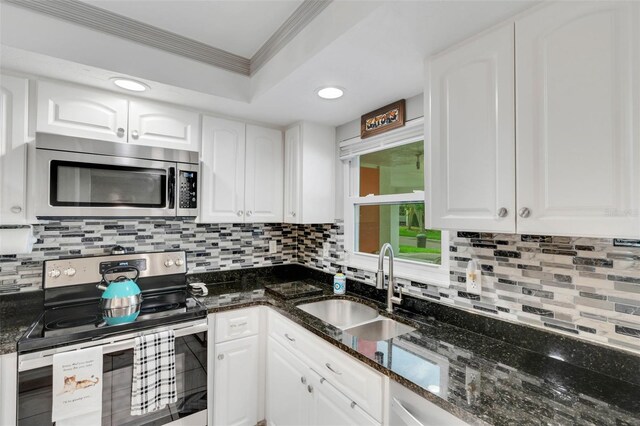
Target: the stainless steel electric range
(73, 319)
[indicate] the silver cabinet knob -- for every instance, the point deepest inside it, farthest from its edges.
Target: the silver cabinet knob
(221, 357)
(239, 213)
(120, 132)
(16, 209)
(353, 404)
(524, 212)
(293, 214)
(303, 380)
(310, 388)
(249, 213)
(134, 134)
(503, 212)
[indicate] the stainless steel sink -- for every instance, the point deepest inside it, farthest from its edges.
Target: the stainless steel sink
(381, 329)
(340, 313)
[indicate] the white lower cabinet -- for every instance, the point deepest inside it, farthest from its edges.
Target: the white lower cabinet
(407, 408)
(236, 378)
(8, 388)
(236, 367)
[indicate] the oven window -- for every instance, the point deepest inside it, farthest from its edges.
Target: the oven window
(34, 398)
(96, 185)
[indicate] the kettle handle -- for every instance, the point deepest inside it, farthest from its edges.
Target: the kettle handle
(120, 269)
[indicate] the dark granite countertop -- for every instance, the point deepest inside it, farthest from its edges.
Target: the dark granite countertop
(516, 386)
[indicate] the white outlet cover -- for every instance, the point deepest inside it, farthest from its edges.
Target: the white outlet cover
(472, 384)
(325, 249)
(273, 246)
(474, 278)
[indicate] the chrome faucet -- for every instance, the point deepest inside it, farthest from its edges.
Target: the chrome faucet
(391, 299)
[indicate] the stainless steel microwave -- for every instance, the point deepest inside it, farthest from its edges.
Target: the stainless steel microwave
(83, 177)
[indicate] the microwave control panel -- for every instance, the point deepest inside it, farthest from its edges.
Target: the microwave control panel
(188, 187)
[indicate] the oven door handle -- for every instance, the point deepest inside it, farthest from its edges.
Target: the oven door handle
(127, 341)
(172, 188)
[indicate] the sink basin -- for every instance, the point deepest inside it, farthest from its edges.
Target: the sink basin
(382, 329)
(340, 313)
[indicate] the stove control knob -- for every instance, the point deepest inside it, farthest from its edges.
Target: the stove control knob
(168, 263)
(70, 272)
(179, 262)
(54, 273)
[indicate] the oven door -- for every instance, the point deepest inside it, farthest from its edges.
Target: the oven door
(77, 184)
(35, 382)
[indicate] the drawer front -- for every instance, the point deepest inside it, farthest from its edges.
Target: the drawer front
(350, 376)
(237, 324)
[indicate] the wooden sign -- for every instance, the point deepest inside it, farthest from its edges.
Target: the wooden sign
(383, 119)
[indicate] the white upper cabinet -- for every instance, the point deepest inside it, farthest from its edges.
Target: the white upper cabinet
(241, 168)
(163, 126)
(578, 92)
(94, 114)
(470, 142)
(13, 150)
(222, 171)
(309, 173)
(264, 175)
(84, 113)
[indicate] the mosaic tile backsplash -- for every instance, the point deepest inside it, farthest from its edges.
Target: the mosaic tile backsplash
(209, 247)
(584, 287)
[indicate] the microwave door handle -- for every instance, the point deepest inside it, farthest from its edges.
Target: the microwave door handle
(172, 188)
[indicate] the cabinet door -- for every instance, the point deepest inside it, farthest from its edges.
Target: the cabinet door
(288, 400)
(8, 388)
(83, 113)
(13, 150)
(470, 144)
(578, 85)
(235, 389)
(264, 175)
(332, 408)
(222, 171)
(159, 125)
(292, 174)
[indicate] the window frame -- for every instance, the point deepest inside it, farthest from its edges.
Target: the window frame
(403, 268)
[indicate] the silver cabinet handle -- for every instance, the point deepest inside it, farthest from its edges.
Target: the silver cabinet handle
(16, 209)
(404, 414)
(503, 212)
(249, 213)
(310, 388)
(353, 404)
(134, 134)
(291, 339)
(239, 213)
(303, 380)
(524, 212)
(221, 357)
(120, 132)
(332, 370)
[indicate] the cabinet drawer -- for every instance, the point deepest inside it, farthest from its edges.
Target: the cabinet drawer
(237, 324)
(350, 376)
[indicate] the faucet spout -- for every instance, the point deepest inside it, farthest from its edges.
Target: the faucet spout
(391, 299)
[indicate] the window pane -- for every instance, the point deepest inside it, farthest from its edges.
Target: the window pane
(398, 170)
(401, 225)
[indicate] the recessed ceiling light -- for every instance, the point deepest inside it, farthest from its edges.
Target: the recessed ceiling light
(330, 92)
(127, 84)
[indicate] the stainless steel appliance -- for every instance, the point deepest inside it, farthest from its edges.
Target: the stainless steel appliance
(83, 177)
(73, 319)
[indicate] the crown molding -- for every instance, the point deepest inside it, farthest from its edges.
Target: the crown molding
(98, 19)
(299, 19)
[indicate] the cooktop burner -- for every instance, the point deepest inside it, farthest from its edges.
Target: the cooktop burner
(71, 322)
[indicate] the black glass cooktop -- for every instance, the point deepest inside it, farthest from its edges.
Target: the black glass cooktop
(81, 321)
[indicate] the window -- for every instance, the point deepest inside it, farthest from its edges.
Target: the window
(385, 203)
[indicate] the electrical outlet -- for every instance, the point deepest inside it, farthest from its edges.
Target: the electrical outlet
(472, 383)
(325, 249)
(273, 247)
(474, 278)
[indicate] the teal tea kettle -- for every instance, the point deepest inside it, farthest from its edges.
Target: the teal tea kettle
(121, 297)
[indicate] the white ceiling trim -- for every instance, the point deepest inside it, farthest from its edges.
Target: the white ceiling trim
(300, 18)
(112, 23)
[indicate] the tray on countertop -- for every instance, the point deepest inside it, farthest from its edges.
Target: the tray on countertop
(293, 289)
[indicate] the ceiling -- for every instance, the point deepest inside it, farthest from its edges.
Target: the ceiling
(239, 27)
(375, 50)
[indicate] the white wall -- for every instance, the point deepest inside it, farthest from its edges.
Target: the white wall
(350, 130)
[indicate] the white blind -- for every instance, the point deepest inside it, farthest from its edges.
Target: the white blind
(413, 131)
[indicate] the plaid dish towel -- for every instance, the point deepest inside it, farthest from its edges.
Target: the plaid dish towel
(154, 372)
